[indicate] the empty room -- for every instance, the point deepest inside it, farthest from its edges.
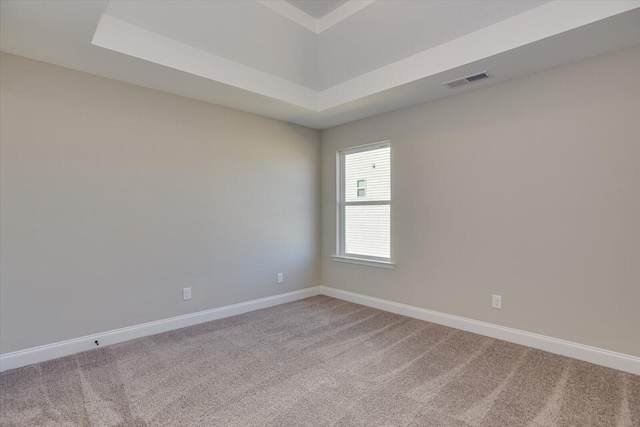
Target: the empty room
(320, 213)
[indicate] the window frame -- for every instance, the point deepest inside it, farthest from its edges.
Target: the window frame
(363, 188)
(341, 204)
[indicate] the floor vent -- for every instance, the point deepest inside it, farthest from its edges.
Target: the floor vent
(454, 84)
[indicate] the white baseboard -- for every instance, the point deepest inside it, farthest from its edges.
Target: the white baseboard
(622, 362)
(587, 353)
(65, 348)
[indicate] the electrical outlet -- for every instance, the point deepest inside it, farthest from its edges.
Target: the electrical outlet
(186, 294)
(496, 302)
(280, 278)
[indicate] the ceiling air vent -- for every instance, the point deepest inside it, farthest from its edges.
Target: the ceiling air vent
(453, 84)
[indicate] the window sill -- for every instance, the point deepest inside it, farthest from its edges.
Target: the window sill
(363, 261)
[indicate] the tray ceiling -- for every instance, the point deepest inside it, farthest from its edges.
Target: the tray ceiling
(318, 64)
(317, 9)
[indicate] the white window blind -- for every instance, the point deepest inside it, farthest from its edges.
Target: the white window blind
(365, 202)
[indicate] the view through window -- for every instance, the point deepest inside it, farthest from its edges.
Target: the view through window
(365, 202)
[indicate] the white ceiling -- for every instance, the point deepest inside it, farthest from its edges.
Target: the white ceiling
(317, 8)
(388, 31)
(360, 58)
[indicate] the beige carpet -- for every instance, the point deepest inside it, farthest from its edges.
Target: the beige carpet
(318, 362)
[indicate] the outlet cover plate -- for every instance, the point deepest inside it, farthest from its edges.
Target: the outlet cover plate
(496, 302)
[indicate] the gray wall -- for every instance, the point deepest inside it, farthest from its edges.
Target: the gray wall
(529, 189)
(114, 197)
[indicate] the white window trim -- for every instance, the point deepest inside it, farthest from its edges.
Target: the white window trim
(364, 261)
(341, 255)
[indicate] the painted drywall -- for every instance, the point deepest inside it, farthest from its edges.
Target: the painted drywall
(242, 31)
(388, 31)
(529, 189)
(115, 197)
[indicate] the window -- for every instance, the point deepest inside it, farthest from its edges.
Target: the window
(364, 204)
(362, 188)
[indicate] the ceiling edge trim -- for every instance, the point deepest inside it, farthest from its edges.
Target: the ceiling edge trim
(343, 12)
(517, 31)
(120, 36)
(292, 13)
(310, 23)
(514, 32)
